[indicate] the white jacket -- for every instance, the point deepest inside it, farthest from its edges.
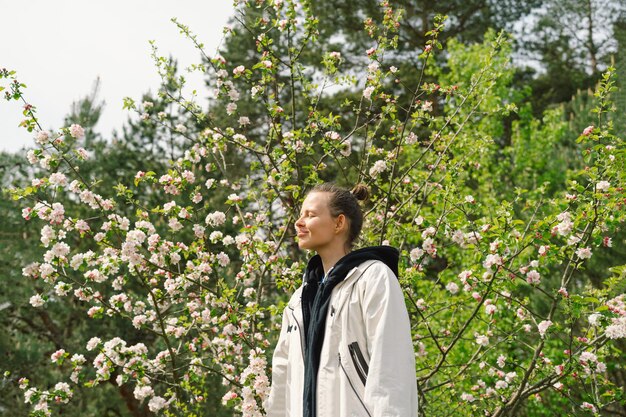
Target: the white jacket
(367, 362)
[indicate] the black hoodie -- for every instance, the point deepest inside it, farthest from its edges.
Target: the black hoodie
(315, 303)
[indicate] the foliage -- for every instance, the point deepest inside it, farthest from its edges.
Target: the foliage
(184, 267)
(568, 44)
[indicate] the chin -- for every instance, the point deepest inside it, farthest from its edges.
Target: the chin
(303, 244)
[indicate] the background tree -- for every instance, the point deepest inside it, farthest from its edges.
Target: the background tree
(569, 43)
(191, 262)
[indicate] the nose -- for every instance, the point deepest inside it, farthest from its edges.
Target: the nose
(299, 222)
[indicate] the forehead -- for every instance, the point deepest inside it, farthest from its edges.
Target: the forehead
(316, 201)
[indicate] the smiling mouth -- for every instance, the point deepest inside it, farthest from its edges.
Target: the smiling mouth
(302, 234)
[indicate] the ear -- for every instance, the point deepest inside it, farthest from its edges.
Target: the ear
(341, 223)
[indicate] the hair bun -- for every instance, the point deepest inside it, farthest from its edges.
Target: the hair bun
(361, 192)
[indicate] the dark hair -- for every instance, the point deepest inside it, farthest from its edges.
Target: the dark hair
(346, 202)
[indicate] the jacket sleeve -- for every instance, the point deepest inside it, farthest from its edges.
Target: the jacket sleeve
(275, 405)
(391, 387)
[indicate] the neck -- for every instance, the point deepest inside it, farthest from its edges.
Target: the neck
(330, 257)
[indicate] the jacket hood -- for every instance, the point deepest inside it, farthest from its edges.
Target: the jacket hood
(386, 254)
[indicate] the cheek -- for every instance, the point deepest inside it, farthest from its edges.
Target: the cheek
(321, 227)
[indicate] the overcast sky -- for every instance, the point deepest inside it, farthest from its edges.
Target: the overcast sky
(60, 47)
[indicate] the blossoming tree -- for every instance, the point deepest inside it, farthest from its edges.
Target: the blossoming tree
(491, 271)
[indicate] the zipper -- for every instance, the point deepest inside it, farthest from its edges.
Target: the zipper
(359, 362)
(352, 385)
(293, 313)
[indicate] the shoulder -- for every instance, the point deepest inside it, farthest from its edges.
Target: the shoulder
(295, 299)
(376, 268)
(375, 274)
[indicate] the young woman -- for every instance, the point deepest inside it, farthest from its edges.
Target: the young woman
(345, 345)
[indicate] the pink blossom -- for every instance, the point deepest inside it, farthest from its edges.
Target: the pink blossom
(603, 186)
(373, 67)
(346, 148)
(56, 356)
(215, 219)
(42, 137)
(81, 226)
(501, 385)
(334, 55)
(77, 131)
(501, 361)
(481, 340)
(367, 93)
(617, 328)
(143, 392)
(93, 343)
(58, 179)
(587, 131)
(36, 301)
(429, 231)
(543, 327)
(32, 158)
(378, 167)
(31, 270)
(254, 91)
(157, 403)
(491, 260)
(230, 395)
(533, 277)
(566, 225)
(583, 253)
(588, 406)
(467, 397)
(411, 138)
(234, 95)
(429, 246)
(416, 254)
(26, 212)
(332, 135)
(231, 108)
(452, 287)
(594, 319)
(223, 259)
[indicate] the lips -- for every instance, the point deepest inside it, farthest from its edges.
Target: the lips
(302, 233)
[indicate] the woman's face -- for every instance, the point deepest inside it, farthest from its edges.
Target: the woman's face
(317, 229)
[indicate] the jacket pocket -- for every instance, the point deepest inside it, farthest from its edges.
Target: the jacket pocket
(354, 389)
(360, 364)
